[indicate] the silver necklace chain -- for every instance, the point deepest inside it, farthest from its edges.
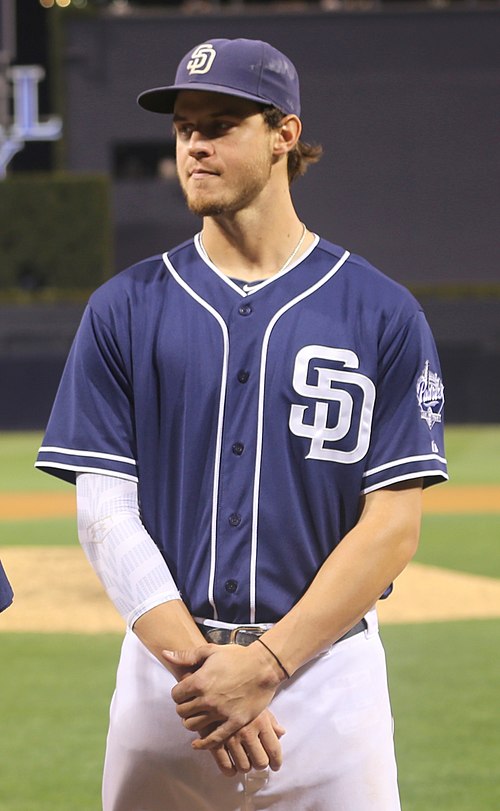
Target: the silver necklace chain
(295, 250)
(288, 261)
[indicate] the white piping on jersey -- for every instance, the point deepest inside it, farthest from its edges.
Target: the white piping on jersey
(424, 458)
(84, 469)
(220, 423)
(242, 291)
(260, 419)
(92, 454)
(419, 474)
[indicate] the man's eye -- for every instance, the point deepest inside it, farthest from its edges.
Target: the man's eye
(217, 128)
(212, 130)
(184, 131)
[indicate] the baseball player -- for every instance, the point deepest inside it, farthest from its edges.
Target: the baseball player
(250, 419)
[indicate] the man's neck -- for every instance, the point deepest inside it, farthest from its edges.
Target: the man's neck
(254, 250)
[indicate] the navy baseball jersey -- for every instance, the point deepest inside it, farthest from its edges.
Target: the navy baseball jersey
(252, 417)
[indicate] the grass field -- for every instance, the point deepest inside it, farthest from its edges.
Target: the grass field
(55, 689)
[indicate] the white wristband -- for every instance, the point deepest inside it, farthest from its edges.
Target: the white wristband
(118, 547)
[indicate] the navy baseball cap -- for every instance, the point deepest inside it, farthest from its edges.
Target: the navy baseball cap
(248, 68)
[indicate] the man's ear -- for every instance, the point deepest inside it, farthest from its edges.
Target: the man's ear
(287, 134)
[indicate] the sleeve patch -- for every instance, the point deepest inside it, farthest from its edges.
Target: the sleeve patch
(430, 396)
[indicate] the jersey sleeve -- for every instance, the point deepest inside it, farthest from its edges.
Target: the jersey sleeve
(407, 431)
(90, 428)
(6, 593)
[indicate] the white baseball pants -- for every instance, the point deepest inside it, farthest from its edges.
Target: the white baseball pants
(338, 752)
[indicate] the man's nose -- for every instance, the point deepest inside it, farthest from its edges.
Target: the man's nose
(199, 144)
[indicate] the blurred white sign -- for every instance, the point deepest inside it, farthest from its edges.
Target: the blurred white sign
(26, 124)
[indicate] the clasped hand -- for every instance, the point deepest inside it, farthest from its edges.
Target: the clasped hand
(223, 694)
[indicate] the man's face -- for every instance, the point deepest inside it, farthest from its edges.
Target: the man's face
(224, 151)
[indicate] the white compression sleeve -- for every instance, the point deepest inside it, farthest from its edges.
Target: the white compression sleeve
(118, 547)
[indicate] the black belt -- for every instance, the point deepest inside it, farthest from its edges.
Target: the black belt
(246, 634)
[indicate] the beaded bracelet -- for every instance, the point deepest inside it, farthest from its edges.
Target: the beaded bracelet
(285, 671)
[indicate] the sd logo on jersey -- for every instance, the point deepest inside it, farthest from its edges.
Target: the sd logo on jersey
(331, 390)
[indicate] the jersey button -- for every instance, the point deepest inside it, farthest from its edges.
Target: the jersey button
(238, 448)
(243, 376)
(245, 309)
(235, 519)
(231, 586)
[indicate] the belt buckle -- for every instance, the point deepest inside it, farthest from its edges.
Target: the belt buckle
(255, 630)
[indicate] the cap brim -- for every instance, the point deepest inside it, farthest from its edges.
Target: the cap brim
(162, 99)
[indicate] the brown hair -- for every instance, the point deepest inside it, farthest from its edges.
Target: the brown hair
(302, 155)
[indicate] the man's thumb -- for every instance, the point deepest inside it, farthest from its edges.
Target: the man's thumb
(186, 658)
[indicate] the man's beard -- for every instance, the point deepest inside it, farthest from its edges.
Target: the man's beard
(232, 201)
(205, 208)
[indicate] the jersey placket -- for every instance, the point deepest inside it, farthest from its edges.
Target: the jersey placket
(237, 464)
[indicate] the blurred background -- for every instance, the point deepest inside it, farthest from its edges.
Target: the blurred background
(402, 95)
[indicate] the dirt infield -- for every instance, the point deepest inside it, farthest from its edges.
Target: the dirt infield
(31, 506)
(57, 591)
(462, 499)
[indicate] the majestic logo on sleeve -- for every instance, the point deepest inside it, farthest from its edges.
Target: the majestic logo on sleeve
(430, 396)
(202, 58)
(343, 407)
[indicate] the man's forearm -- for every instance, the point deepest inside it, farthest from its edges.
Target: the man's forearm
(168, 626)
(352, 578)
